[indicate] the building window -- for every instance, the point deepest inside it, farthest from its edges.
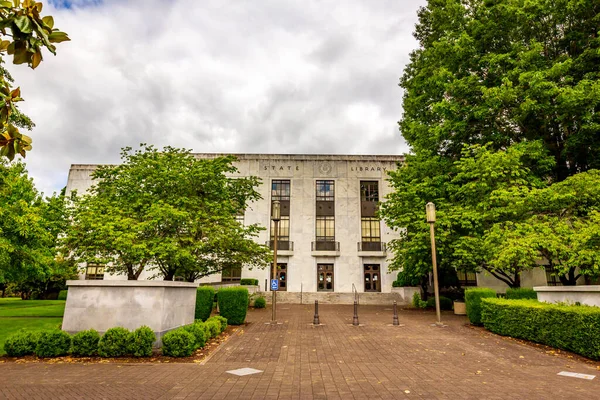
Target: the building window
(370, 231)
(281, 275)
(231, 274)
(369, 191)
(325, 277)
(466, 278)
(552, 276)
(94, 272)
(280, 189)
(325, 190)
(240, 219)
(325, 228)
(283, 229)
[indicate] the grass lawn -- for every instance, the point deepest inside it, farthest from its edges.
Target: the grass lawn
(17, 314)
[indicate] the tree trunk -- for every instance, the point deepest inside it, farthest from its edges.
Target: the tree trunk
(517, 281)
(569, 279)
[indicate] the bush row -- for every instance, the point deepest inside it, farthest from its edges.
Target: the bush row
(473, 302)
(182, 342)
(573, 328)
(233, 303)
(249, 281)
(521, 293)
(115, 342)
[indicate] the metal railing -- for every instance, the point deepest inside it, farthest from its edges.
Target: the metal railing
(371, 246)
(355, 293)
(281, 245)
(325, 246)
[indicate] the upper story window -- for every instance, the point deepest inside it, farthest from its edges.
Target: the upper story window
(369, 191)
(94, 272)
(325, 190)
(280, 189)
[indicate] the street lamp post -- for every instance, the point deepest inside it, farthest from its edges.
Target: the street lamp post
(276, 217)
(430, 211)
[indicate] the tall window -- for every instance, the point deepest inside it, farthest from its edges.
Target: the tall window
(370, 229)
(325, 228)
(94, 272)
(231, 274)
(466, 278)
(369, 191)
(325, 190)
(552, 278)
(280, 191)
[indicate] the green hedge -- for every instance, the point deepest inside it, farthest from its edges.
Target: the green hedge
(222, 322)
(114, 343)
(21, 343)
(445, 303)
(53, 344)
(141, 341)
(249, 281)
(573, 328)
(198, 329)
(205, 296)
(178, 343)
(473, 299)
(233, 304)
(62, 295)
(521, 293)
(85, 343)
(260, 302)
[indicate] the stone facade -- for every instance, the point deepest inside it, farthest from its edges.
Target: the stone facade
(303, 172)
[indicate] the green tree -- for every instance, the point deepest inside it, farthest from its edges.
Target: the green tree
(24, 32)
(30, 226)
(168, 211)
(504, 72)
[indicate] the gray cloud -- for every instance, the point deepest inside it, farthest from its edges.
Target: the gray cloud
(262, 76)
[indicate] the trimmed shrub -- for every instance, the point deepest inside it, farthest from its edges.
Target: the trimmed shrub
(213, 327)
(473, 299)
(222, 321)
(21, 343)
(260, 302)
(114, 343)
(205, 296)
(53, 344)
(198, 329)
(249, 281)
(521, 293)
(62, 295)
(178, 343)
(233, 304)
(403, 280)
(141, 341)
(85, 343)
(573, 328)
(417, 302)
(445, 303)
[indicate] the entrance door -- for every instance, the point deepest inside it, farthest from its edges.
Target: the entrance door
(281, 275)
(372, 278)
(325, 277)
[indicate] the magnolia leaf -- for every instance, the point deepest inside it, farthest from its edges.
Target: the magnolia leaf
(36, 59)
(6, 4)
(48, 21)
(16, 93)
(58, 36)
(23, 23)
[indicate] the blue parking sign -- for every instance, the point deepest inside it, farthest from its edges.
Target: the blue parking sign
(274, 284)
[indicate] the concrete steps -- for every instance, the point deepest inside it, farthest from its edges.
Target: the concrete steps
(334, 298)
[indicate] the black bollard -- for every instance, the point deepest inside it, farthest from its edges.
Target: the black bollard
(355, 319)
(395, 314)
(316, 318)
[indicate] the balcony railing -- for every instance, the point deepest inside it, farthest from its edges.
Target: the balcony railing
(371, 246)
(325, 246)
(281, 245)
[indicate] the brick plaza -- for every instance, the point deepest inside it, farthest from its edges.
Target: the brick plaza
(333, 361)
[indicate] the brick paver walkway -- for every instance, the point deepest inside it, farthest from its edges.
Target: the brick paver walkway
(333, 361)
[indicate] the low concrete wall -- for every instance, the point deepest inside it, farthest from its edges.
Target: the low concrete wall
(100, 305)
(584, 294)
(365, 298)
(407, 292)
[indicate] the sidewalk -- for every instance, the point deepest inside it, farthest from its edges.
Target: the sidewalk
(335, 361)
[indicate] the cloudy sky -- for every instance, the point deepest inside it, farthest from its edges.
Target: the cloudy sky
(261, 76)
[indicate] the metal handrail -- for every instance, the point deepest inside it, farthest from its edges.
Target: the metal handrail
(355, 292)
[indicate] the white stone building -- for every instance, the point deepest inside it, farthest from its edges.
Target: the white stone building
(329, 237)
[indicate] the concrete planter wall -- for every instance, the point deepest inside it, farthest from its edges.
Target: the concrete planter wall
(584, 294)
(407, 292)
(460, 308)
(100, 305)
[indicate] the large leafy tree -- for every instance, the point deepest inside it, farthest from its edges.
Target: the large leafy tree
(23, 35)
(29, 230)
(503, 72)
(166, 210)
